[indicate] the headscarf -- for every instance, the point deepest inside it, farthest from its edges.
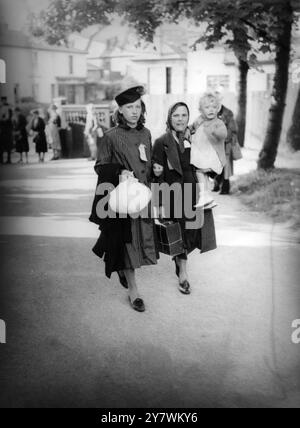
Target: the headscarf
(181, 135)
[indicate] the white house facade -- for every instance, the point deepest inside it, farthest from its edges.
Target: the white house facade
(41, 72)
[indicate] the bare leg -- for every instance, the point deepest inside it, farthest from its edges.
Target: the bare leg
(26, 155)
(132, 287)
(182, 264)
(133, 294)
(184, 285)
(205, 196)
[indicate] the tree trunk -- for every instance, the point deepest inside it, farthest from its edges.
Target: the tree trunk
(242, 101)
(268, 153)
(293, 136)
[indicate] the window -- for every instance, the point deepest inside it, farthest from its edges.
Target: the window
(17, 92)
(61, 90)
(71, 64)
(2, 71)
(213, 82)
(168, 80)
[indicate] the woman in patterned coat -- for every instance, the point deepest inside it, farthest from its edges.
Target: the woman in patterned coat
(126, 244)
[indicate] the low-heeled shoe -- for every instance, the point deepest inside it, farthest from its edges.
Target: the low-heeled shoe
(184, 287)
(137, 304)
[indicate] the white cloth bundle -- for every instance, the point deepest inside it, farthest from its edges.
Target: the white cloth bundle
(129, 197)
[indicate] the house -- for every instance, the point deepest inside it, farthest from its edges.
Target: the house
(161, 66)
(39, 71)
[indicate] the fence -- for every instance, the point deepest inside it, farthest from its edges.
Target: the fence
(73, 118)
(258, 112)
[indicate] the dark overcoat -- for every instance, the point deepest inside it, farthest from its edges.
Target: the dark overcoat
(124, 243)
(166, 153)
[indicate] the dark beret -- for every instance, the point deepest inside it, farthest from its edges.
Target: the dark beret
(130, 95)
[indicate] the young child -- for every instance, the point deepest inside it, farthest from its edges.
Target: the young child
(157, 172)
(208, 146)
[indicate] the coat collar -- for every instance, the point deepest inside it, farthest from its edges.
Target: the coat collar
(170, 146)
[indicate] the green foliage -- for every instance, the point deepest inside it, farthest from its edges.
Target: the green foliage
(237, 23)
(64, 17)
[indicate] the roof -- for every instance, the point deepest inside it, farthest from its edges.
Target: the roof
(21, 40)
(93, 67)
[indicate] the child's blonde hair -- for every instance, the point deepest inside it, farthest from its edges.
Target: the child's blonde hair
(211, 96)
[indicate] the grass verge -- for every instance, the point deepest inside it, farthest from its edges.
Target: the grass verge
(275, 193)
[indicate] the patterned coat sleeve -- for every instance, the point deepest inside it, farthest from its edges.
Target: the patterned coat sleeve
(158, 152)
(104, 153)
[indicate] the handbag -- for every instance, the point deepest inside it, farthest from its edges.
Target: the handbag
(169, 237)
(236, 150)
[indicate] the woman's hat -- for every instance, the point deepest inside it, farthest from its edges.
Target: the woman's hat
(130, 95)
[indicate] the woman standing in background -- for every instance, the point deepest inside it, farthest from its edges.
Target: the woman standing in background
(20, 134)
(37, 126)
(53, 128)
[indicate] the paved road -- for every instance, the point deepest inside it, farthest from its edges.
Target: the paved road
(73, 340)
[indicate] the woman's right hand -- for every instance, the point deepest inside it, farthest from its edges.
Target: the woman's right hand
(127, 175)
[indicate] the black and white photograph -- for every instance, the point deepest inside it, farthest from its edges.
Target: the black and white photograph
(150, 206)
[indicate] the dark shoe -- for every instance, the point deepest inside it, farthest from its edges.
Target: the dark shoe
(123, 280)
(184, 287)
(216, 188)
(137, 304)
(225, 189)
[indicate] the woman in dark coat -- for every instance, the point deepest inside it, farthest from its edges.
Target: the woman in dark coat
(171, 152)
(20, 134)
(38, 127)
(126, 244)
(6, 130)
(222, 181)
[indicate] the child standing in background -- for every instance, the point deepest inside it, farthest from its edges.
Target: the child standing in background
(208, 146)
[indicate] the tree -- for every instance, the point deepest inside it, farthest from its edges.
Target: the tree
(239, 24)
(223, 24)
(279, 19)
(293, 135)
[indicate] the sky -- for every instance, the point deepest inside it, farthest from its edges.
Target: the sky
(15, 12)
